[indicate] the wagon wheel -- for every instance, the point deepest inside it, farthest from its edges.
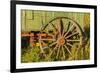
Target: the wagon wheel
(60, 36)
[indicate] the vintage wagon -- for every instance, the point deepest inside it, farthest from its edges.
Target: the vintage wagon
(59, 35)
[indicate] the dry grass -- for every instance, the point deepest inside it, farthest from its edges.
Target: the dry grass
(33, 54)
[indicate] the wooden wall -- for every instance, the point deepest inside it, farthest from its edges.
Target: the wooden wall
(34, 20)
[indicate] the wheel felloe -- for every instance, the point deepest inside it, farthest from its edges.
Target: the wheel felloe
(64, 33)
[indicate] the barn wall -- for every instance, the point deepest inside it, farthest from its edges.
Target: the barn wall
(34, 20)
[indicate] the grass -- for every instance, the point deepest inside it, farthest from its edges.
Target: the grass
(33, 54)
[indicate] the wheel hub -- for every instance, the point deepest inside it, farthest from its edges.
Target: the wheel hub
(61, 41)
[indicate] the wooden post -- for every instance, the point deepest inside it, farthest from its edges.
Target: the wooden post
(31, 41)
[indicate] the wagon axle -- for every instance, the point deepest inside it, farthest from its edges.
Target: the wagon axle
(61, 41)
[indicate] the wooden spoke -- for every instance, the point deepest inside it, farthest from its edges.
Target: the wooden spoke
(68, 50)
(54, 26)
(52, 44)
(52, 51)
(46, 46)
(61, 26)
(68, 27)
(69, 44)
(72, 34)
(72, 40)
(41, 48)
(42, 51)
(73, 29)
(63, 53)
(69, 30)
(63, 30)
(48, 34)
(58, 50)
(48, 39)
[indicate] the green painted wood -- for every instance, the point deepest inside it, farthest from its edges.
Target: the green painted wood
(34, 20)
